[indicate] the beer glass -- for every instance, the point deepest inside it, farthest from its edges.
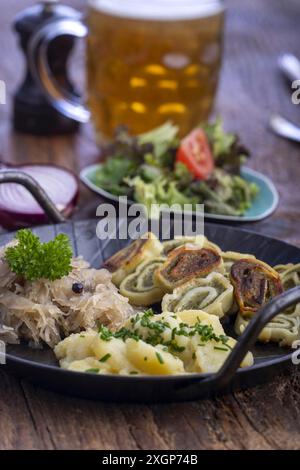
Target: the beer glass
(147, 63)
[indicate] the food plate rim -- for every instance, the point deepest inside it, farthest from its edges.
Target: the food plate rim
(260, 365)
(230, 218)
(263, 363)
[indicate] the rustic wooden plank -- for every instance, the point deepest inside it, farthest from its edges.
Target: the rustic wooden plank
(79, 424)
(265, 417)
(18, 429)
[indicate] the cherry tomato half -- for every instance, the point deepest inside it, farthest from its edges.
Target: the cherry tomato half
(195, 153)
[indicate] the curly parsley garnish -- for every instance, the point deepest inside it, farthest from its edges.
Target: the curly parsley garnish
(33, 260)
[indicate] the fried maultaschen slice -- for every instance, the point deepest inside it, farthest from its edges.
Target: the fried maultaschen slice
(125, 261)
(185, 263)
(284, 329)
(289, 275)
(230, 257)
(171, 245)
(212, 294)
(255, 283)
(198, 241)
(140, 287)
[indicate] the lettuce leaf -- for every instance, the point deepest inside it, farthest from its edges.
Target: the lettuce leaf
(110, 176)
(227, 150)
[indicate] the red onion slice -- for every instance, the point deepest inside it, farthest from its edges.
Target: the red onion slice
(18, 207)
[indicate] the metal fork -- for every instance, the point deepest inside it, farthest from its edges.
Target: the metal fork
(290, 67)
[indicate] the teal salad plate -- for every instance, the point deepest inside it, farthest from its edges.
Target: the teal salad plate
(263, 205)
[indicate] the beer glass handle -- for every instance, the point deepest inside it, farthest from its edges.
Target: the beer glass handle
(62, 100)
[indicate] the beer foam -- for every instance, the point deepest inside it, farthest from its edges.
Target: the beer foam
(163, 10)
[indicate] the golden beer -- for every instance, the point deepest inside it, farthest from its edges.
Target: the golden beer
(152, 61)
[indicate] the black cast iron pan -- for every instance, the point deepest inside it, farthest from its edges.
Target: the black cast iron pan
(40, 366)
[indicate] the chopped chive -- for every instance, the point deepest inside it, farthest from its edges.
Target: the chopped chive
(92, 371)
(174, 347)
(82, 336)
(104, 333)
(133, 372)
(104, 358)
(220, 349)
(160, 359)
(155, 329)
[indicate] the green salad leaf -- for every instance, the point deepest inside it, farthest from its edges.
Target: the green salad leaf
(34, 260)
(182, 175)
(164, 140)
(147, 155)
(227, 151)
(111, 174)
(145, 168)
(162, 191)
(224, 193)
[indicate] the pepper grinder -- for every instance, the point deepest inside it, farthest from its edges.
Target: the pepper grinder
(32, 112)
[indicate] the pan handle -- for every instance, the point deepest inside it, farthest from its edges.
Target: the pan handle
(36, 191)
(251, 333)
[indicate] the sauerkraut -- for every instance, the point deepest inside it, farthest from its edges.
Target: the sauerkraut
(47, 311)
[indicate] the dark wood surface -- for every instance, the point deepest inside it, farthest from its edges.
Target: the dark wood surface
(265, 417)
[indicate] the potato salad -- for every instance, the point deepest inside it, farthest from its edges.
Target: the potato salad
(191, 341)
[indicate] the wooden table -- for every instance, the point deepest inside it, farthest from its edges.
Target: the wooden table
(261, 418)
